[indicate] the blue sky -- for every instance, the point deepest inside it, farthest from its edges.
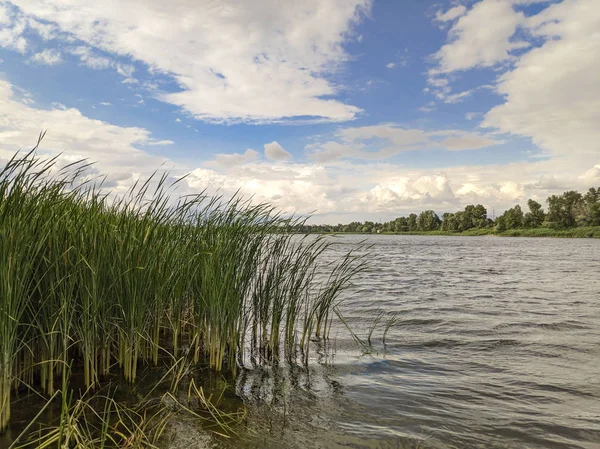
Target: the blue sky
(351, 109)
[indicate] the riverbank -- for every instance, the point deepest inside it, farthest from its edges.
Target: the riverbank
(580, 232)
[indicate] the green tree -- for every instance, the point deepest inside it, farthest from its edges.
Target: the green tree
(461, 222)
(479, 218)
(468, 217)
(566, 210)
(412, 222)
(428, 221)
(513, 217)
(535, 217)
(472, 217)
(592, 206)
(500, 224)
(448, 222)
(401, 224)
(367, 227)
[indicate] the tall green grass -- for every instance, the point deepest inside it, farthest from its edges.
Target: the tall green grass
(90, 282)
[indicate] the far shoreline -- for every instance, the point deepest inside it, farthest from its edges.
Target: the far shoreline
(579, 232)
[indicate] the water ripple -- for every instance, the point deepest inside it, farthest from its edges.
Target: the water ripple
(497, 344)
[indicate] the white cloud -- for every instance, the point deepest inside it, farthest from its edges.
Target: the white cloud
(4, 16)
(14, 26)
(47, 31)
(160, 143)
(356, 190)
(76, 136)
(549, 94)
(467, 141)
(591, 177)
(333, 151)
(11, 31)
(257, 60)
(457, 97)
(89, 58)
(394, 133)
(440, 88)
(125, 70)
(49, 56)
(438, 82)
(553, 95)
(231, 160)
(276, 152)
(397, 190)
(403, 191)
(390, 65)
(295, 188)
(508, 191)
(451, 14)
(481, 38)
(380, 142)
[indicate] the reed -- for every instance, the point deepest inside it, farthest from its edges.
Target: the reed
(90, 281)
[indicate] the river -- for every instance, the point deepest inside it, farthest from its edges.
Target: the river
(496, 345)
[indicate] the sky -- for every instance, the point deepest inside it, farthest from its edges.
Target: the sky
(343, 109)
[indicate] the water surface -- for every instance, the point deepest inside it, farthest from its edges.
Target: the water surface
(497, 346)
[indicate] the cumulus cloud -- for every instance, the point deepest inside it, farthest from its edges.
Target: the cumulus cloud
(276, 152)
(481, 37)
(114, 148)
(49, 56)
(549, 93)
(393, 190)
(295, 189)
(406, 191)
(592, 176)
(279, 67)
(232, 61)
(552, 95)
(353, 189)
(508, 191)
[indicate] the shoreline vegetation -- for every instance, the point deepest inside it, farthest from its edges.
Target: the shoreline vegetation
(580, 232)
(571, 214)
(95, 285)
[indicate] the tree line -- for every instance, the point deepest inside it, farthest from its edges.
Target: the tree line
(569, 210)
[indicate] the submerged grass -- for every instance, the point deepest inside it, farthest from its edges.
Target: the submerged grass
(90, 283)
